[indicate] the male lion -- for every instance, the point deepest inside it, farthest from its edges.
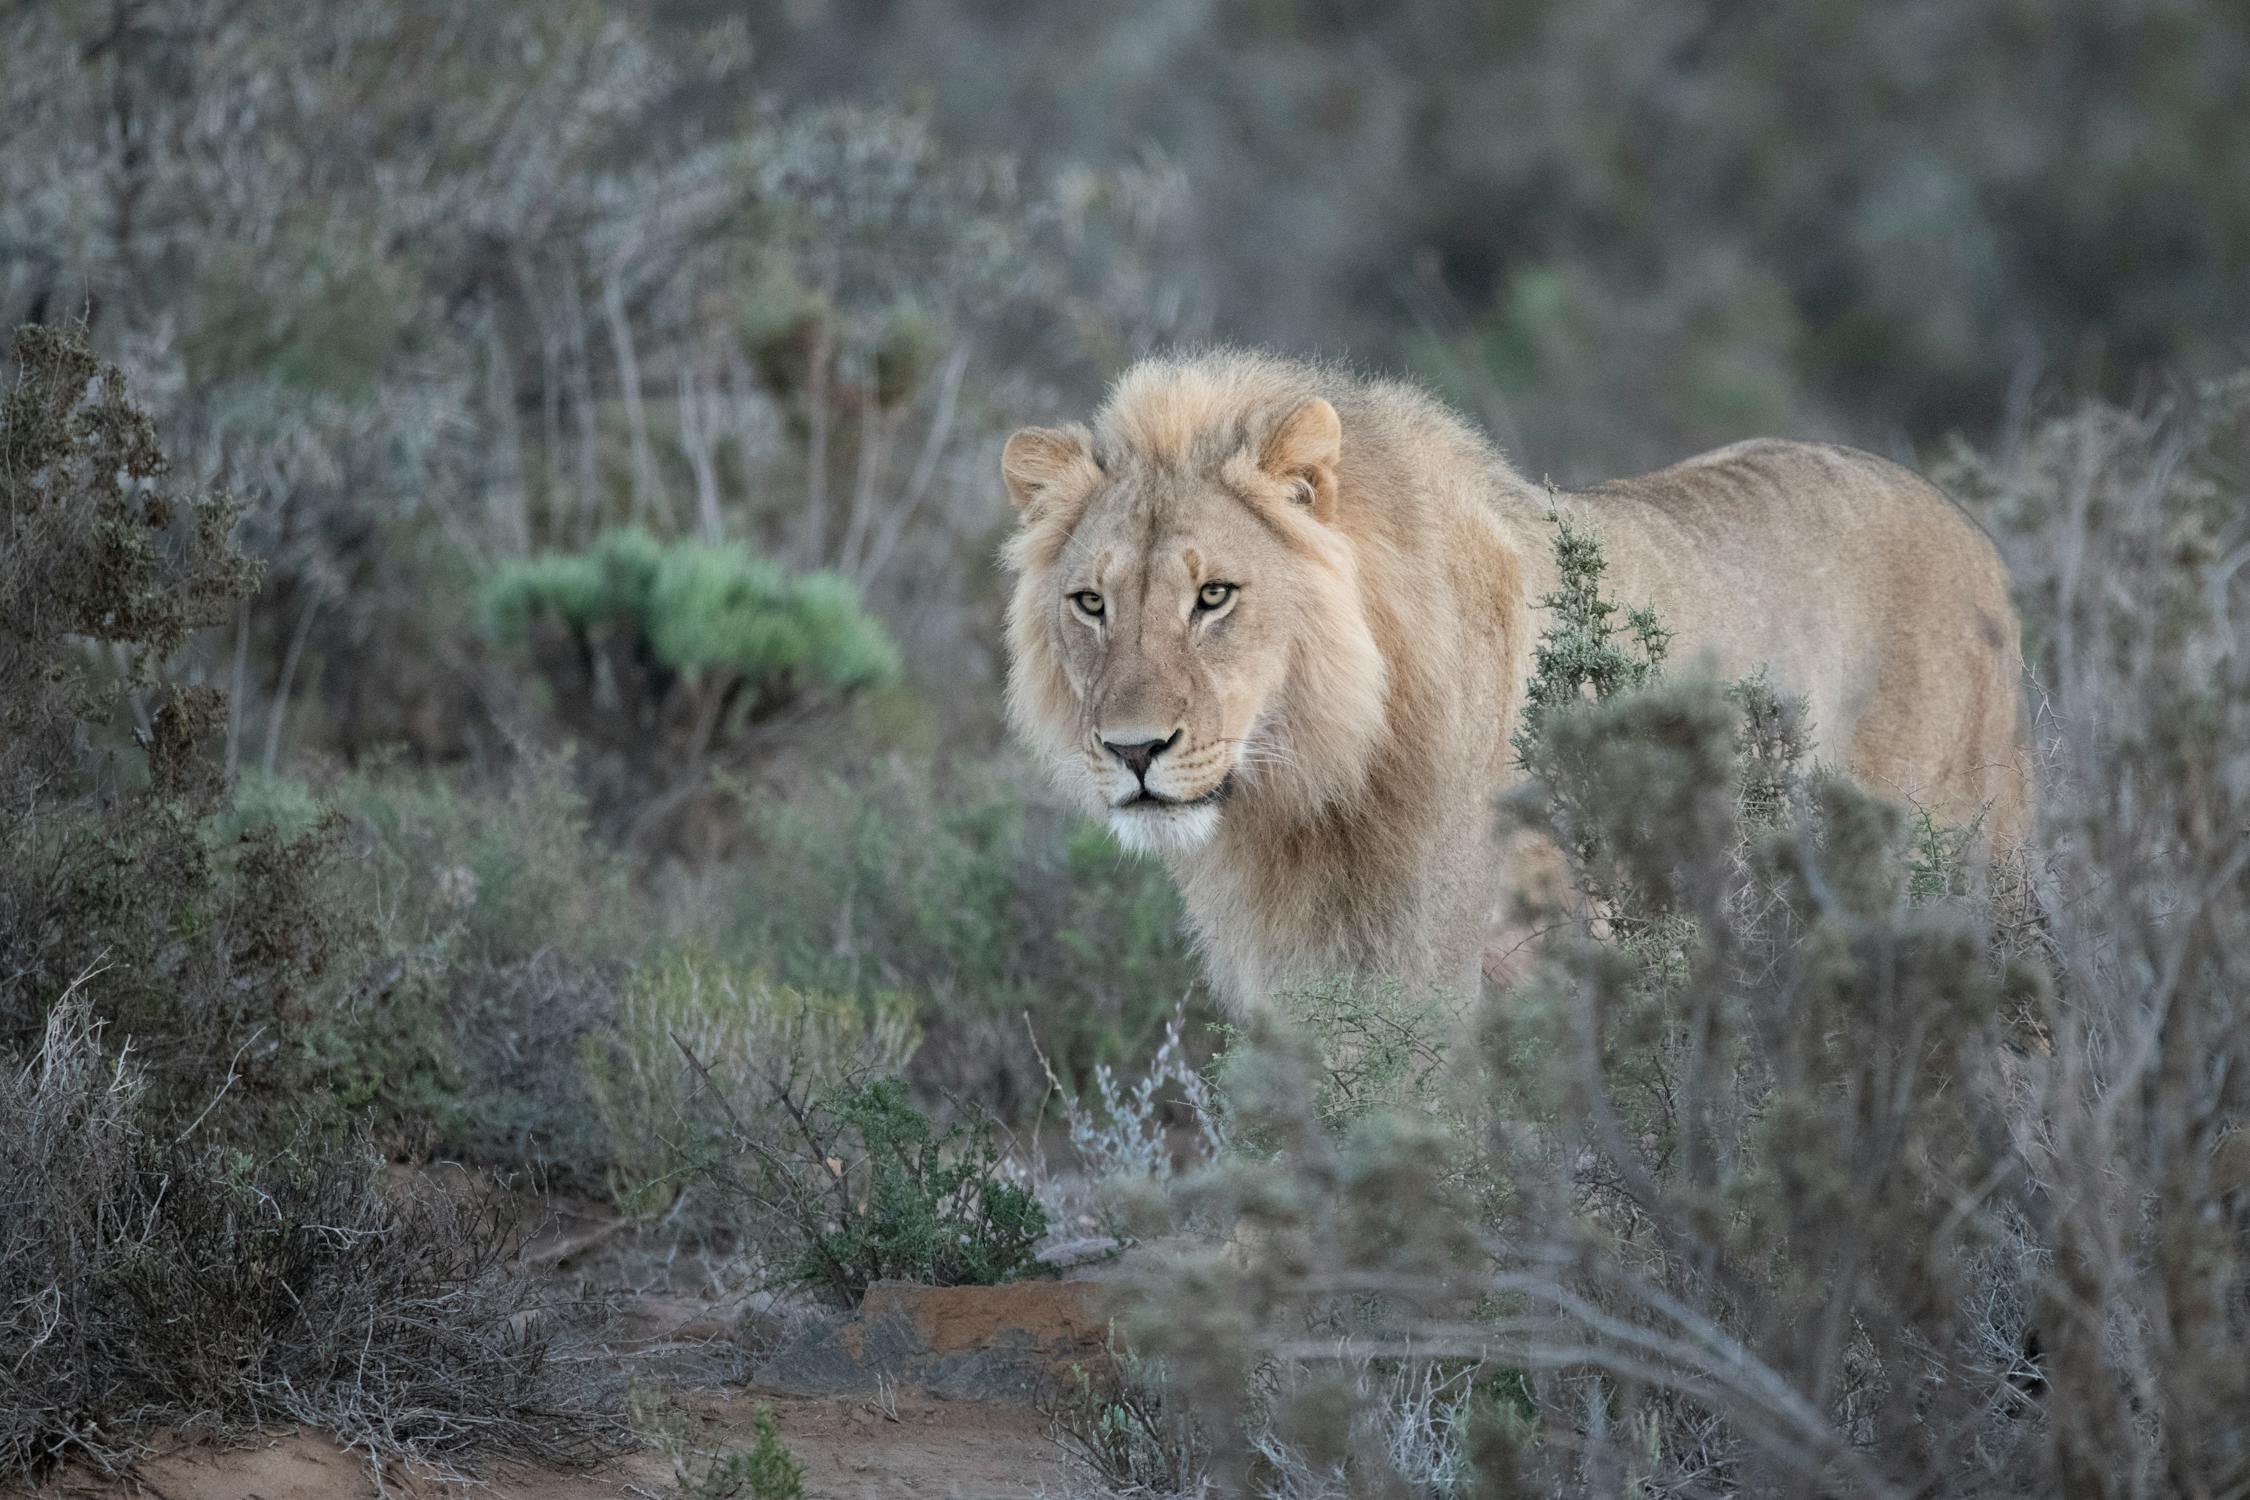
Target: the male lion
(1275, 619)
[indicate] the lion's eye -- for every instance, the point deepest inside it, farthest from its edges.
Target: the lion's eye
(1213, 595)
(1089, 603)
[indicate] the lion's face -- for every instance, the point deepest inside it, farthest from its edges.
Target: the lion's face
(1165, 614)
(1174, 621)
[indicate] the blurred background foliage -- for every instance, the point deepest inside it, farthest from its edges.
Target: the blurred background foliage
(623, 385)
(1679, 222)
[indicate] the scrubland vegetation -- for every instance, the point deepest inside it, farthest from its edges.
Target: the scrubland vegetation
(498, 665)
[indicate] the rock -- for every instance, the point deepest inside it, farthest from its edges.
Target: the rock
(1066, 1253)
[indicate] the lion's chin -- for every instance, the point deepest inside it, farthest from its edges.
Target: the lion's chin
(1151, 828)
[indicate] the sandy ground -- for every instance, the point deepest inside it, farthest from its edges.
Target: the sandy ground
(851, 1448)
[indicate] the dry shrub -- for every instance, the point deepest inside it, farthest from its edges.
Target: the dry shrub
(1824, 1159)
(150, 1280)
(2131, 533)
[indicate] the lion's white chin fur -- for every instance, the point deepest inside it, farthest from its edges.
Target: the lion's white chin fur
(1163, 830)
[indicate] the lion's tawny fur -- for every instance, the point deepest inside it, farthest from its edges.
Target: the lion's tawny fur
(1352, 701)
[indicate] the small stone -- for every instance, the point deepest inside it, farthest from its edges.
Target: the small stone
(1078, 1252)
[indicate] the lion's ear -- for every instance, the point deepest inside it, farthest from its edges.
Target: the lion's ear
(1302, 449)
(1040, 460)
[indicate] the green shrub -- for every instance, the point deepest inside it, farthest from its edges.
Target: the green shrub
(510, 938)
(1113, 1414)
(718, 609)
(1579, 653)
(769, 1471)
(752, 1043)
(862, 1187)
(1584, 654)
(646, 646)
(1385, 1049)
(487, 872)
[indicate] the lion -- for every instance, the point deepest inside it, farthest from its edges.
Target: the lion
(1274, 621)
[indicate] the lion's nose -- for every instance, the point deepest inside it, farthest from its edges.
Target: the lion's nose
(1141, 754)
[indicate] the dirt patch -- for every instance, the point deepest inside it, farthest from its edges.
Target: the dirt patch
(313, 1466)
(853, 1448)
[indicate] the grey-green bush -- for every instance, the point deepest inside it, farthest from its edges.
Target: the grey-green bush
(115, 884)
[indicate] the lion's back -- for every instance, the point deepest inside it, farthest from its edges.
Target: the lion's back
(1854, 583)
